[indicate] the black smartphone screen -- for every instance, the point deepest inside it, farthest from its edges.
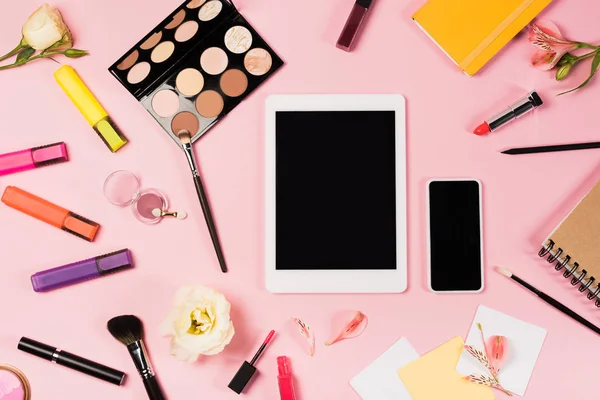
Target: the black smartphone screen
(455, 236)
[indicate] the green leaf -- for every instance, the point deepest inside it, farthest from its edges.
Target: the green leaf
(595, 65)
(25, 54)
(12, 52)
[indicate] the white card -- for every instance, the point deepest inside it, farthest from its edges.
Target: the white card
(380, 380)
(524, 345)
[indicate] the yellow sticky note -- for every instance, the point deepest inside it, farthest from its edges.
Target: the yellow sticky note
(434, 376)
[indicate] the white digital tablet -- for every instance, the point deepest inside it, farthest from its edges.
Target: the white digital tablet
(336, 194)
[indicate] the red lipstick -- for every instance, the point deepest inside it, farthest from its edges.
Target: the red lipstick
(285, 380)
(521, 107)
(482, 129)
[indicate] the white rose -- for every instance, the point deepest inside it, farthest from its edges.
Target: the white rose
(46, 27)
(198, 323)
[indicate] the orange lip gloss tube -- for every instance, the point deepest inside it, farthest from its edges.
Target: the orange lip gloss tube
(50, 213)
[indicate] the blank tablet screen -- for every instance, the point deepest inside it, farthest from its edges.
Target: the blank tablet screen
(335, 190)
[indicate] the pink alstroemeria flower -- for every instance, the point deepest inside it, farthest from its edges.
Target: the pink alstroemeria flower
(550, 44)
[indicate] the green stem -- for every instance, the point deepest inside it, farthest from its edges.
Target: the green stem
(583, 45)
(18, 64)
(12, 52)
(500, 387)
(588, 55)
(504, 390)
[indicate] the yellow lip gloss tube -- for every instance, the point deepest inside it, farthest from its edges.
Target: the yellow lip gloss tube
(89, 106)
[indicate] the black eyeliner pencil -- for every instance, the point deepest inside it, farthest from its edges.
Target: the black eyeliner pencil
(550, 149)
(554, 303)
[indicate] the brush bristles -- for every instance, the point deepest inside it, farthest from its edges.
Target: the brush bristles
(184, 137)
(504, 272)
(127, 329)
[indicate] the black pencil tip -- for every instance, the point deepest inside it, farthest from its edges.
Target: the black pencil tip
(509, 151)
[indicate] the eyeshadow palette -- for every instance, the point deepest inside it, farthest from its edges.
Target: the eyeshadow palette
(196, 66)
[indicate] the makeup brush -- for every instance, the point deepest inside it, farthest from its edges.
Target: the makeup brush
(158, 213)
(554, 303)
(186, 143)
(128, 330)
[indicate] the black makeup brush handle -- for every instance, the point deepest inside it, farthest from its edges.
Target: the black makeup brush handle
(153, 389)
(209, 221)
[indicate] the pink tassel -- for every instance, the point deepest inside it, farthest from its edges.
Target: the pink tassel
(352, 329)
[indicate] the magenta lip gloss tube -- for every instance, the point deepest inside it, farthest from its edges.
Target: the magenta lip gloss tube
(81, 271)
(33, 158)
(353, 24)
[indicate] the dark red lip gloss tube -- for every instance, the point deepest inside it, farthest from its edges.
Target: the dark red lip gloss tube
(353, 24)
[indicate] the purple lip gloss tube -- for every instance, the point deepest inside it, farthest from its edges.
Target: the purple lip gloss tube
(92, 268)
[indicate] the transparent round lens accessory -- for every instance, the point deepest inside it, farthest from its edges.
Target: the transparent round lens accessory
(122, 188)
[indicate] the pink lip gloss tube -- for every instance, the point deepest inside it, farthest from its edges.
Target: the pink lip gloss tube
(286, 384)
(353, 24)
(33, 158)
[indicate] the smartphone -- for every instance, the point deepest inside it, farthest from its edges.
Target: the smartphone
(455, 236)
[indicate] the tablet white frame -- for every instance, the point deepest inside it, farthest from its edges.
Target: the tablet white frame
(450, 258)
(332, 281)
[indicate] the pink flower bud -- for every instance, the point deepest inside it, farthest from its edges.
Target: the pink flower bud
(497, 351)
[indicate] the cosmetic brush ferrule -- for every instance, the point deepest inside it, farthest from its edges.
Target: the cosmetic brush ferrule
(189, 154)
(140, 359)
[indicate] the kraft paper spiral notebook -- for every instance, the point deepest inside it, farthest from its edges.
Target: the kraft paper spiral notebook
(574, 246)
(471, 32)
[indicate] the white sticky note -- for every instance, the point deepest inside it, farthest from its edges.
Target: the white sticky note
(525, 342)
(380, 380)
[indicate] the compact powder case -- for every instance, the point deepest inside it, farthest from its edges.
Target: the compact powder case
(196, 66)
(122, 188)
(13, 384)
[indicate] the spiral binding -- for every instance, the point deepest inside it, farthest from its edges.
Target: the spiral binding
(578, 277)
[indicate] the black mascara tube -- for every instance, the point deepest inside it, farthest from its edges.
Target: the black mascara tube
(72, 361)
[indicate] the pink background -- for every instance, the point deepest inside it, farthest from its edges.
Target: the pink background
(523, 198)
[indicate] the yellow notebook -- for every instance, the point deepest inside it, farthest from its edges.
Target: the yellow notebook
(471, 32)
